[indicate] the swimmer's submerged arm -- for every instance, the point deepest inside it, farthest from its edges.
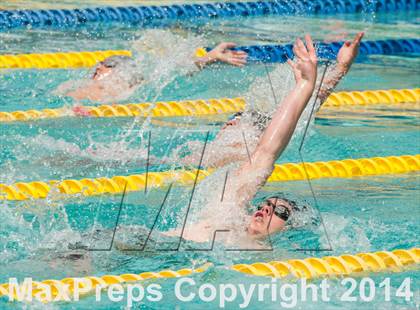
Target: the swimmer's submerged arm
(278, 133)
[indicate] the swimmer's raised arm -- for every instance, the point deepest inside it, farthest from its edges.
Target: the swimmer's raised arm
(345, 57)
(278, 133)
(280, 130)
(223, 53)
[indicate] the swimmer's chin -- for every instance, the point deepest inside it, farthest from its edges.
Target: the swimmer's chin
(255, 234)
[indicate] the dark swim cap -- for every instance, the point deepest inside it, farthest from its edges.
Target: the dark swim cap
(258, 119)
(117, 60)
(302, 214)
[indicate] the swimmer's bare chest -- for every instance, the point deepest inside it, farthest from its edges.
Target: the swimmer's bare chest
(199, 232)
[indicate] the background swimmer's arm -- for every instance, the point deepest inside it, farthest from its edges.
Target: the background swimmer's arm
(79, 93)
(63, 87)
(345, 57)
(278, 133)
(94, 91)
(223, 53)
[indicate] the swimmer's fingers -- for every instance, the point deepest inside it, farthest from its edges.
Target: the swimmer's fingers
(295, 51)
(226, 45)
(236, 54)
(294, 67)
(240, 54)
(305, 53)
(241, 62)
(356, 41)
(295, 70)
(237, 61)
(310, 47)
(358, 38)
(240, 57)
(349, 51)
(299, 50)
(292, 64)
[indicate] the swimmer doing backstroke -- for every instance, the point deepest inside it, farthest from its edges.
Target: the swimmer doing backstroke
(251, 174)
(120, 74)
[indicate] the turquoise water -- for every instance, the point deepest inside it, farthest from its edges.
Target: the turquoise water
(360, 214)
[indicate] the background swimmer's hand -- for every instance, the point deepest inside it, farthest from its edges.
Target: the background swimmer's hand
(223, 53)
(349, 51)
(304, 66)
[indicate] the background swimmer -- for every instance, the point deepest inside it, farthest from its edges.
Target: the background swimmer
(229, 145)
(112, 76)
(119, 75)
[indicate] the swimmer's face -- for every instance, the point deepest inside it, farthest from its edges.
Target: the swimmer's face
(101, 72)
(234, 121)
(270, 217)
(230, 123)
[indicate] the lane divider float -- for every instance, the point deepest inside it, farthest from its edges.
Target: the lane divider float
(62, 289)
(58, 60)
(159, 109)
(309, 268)
(203, 107)
(368, 97)
(343, 265)
(256, 53)
(347, 168)
(281, 53)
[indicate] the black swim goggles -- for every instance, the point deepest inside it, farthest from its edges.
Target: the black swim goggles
(107, 64)
(281, 211)
(237, 115)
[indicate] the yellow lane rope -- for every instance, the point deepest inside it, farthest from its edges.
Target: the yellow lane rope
(309, 268)
(347, 168)
(343, 265)
(87, 285)
(57, 60)
(209, 106)
(63, 60)
(367, 97)
(160, 109)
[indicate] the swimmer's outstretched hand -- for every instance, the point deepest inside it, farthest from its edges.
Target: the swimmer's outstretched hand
(345, 57)
(223, 53)
(305, 62)
(349, 51)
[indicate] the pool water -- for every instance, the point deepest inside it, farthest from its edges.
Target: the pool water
(362, 214)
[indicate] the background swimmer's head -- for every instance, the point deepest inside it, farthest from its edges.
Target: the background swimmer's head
(120, 65)
(274, 214)
(257, 119)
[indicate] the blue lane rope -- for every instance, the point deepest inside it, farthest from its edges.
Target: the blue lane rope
(159, 15)
(280, 53)
(256, 53)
